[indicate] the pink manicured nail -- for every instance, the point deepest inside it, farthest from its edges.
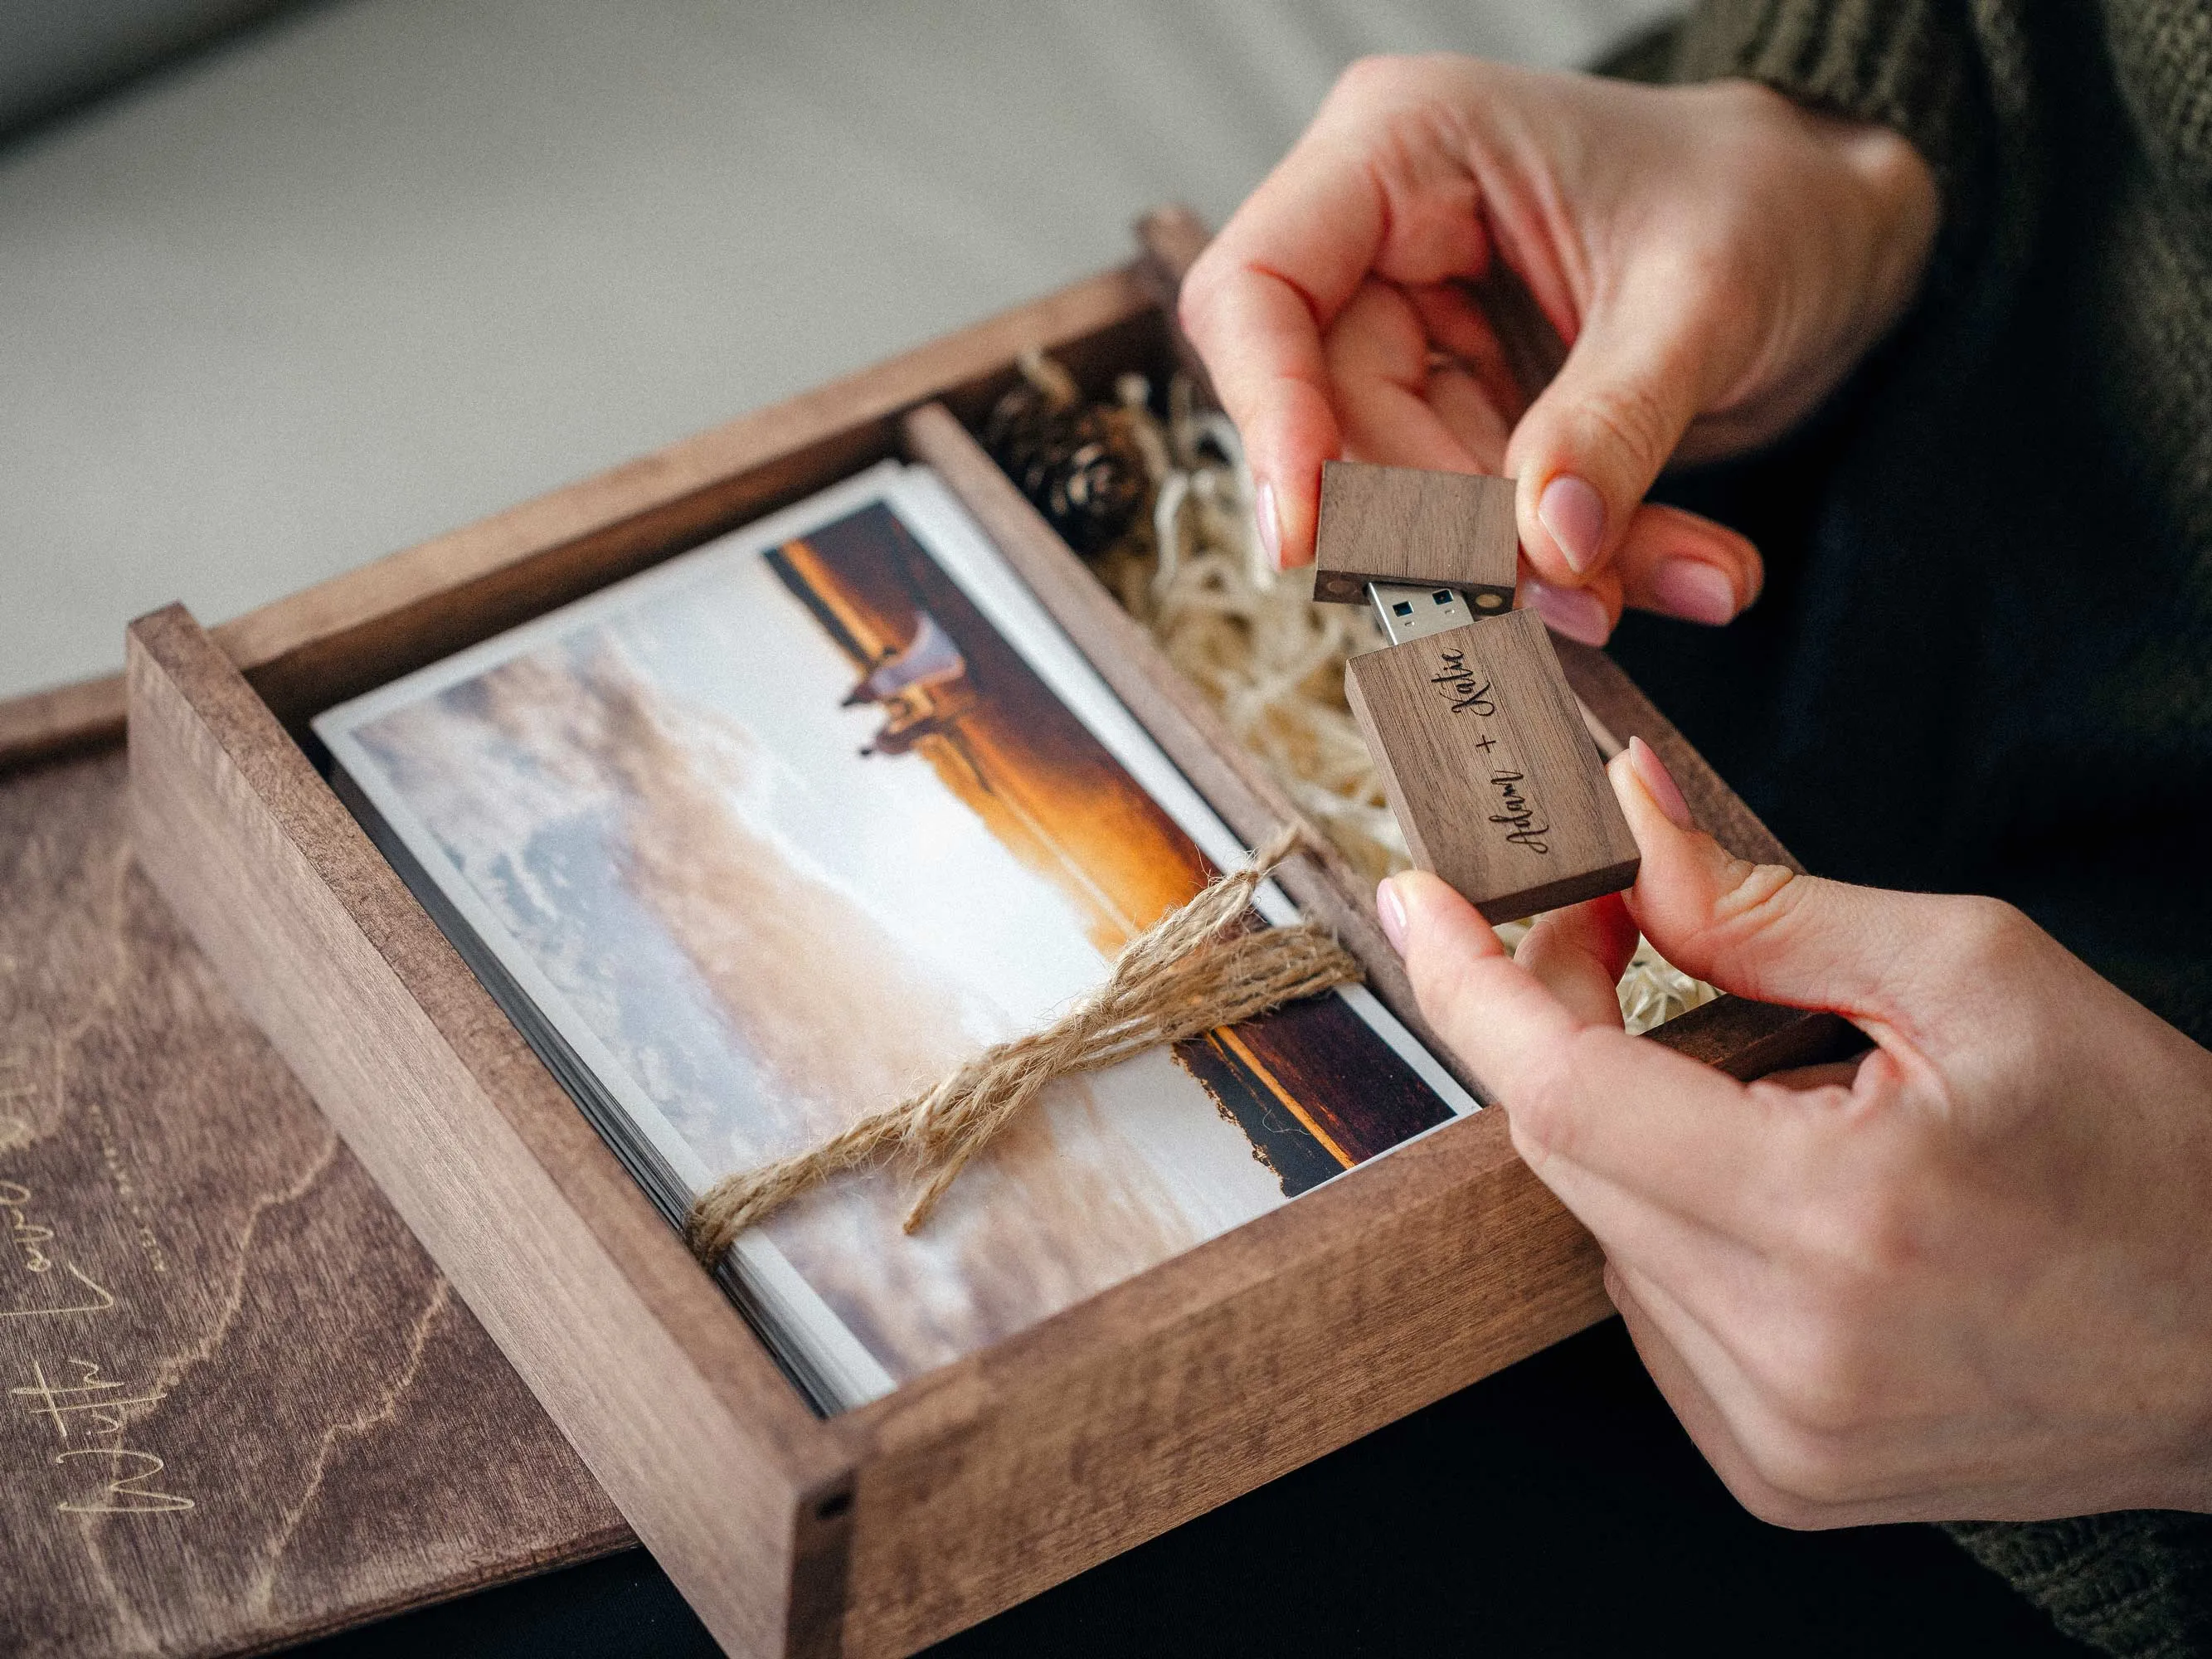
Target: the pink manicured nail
(1575, 514)
(1271, 525)
(1659, 783)
(1568, 611)
(1694, 590)
(1391, 910)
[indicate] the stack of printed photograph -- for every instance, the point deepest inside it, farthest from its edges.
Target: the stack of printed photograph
(777, 833)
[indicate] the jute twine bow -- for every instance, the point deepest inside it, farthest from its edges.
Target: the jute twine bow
(1197, 968)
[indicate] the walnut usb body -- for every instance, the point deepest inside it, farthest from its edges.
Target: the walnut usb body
(1493, 778)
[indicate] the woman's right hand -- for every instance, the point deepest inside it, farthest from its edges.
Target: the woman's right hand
(1968, 1275)
(1716, 258)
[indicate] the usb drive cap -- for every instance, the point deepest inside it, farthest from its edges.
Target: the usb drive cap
(1412, 528)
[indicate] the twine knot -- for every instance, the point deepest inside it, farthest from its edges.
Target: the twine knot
(1197, 968)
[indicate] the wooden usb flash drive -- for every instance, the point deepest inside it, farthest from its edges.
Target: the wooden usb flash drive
(1495, 780)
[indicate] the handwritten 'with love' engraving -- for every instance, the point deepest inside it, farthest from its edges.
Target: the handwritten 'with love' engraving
(92, 1414)
(36, 1251)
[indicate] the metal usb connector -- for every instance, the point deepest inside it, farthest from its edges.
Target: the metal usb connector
(1414, 613)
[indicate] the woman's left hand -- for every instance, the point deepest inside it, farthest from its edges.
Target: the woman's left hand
(1968, 1275)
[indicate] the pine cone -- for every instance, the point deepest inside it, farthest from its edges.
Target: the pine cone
(1079, 466)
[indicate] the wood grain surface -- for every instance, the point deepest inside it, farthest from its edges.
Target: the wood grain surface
(1487, 764)
(1410, 525)
(1400, 1282)
(269, 1415)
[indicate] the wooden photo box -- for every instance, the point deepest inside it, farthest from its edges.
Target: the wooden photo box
(882, 1529)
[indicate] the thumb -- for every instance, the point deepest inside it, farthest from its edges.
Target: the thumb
(1760, 930)
(1595, 439)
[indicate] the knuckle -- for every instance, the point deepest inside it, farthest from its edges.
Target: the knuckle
(1807, 1473)
(1973, 954)
(1817, 1386)
(1987, 932)
(1632, 419)
(1372, 94)
(1545, 1105)
(1378, 74)
(1856, 1245)
(1527, 1128)
(1777, 1508)
(1440, 988)
(1751, 902)
(1540, 1112)
(1201, 291)
(1704, 264)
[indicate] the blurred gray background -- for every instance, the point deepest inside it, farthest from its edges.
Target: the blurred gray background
(283, 289)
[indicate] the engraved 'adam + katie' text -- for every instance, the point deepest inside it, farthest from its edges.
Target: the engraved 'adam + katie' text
(1467, 693)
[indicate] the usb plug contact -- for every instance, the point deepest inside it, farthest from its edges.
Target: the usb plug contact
(1414, 613)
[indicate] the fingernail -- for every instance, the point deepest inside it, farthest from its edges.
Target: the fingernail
(1659, 783)
(1575, 514)
(1271, 526)
(1568, 611)
(1391, 910)
(1694, 590)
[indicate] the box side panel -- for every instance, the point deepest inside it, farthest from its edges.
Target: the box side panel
(1282, 1341)
(67, 720)
(275, 891)
(1610, 695)
(367, 626)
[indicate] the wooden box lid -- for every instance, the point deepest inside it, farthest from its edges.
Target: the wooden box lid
(182, 1232)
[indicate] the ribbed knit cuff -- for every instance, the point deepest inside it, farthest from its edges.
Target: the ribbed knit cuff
(2136, 1584)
